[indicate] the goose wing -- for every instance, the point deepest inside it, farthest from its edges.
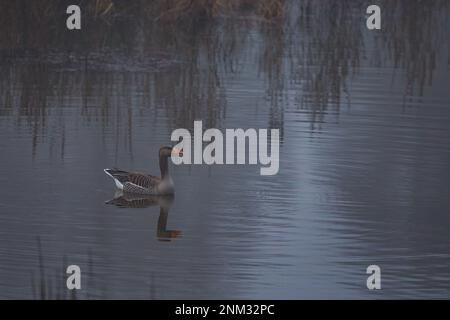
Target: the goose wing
(133, 181)
(139, 182)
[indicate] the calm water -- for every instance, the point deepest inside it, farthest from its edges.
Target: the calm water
(364, 173)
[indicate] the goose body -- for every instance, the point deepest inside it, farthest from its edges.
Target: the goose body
(141, 183)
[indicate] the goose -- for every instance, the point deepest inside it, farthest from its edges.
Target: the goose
(141, 183)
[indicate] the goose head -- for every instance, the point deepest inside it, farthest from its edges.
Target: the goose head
(168, 151)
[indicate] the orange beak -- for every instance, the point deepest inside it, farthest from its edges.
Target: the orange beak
(174, 233)
(177, 152)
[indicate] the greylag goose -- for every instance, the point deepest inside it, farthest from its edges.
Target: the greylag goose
(141, 183)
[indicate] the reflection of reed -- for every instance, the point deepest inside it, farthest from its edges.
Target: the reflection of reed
(334, 39)
(47, 284)
(178, 65)
(48, 288)
(328, 52)
(272, 63)
(37, 26)
(416, 34)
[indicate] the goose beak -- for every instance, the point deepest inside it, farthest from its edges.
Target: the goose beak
(175, 233)
(177, 152)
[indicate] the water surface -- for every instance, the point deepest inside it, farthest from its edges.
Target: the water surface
(364, 158)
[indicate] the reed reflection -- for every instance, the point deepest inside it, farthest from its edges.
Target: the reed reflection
(181, 69)
(48, 281)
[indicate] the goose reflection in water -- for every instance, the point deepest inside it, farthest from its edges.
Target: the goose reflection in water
(127, 200)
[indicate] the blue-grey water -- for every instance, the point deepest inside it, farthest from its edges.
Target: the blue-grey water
(364, 158)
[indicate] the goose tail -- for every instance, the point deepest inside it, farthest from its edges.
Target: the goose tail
(115, 174)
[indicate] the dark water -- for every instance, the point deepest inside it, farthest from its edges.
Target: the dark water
(364, 158)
